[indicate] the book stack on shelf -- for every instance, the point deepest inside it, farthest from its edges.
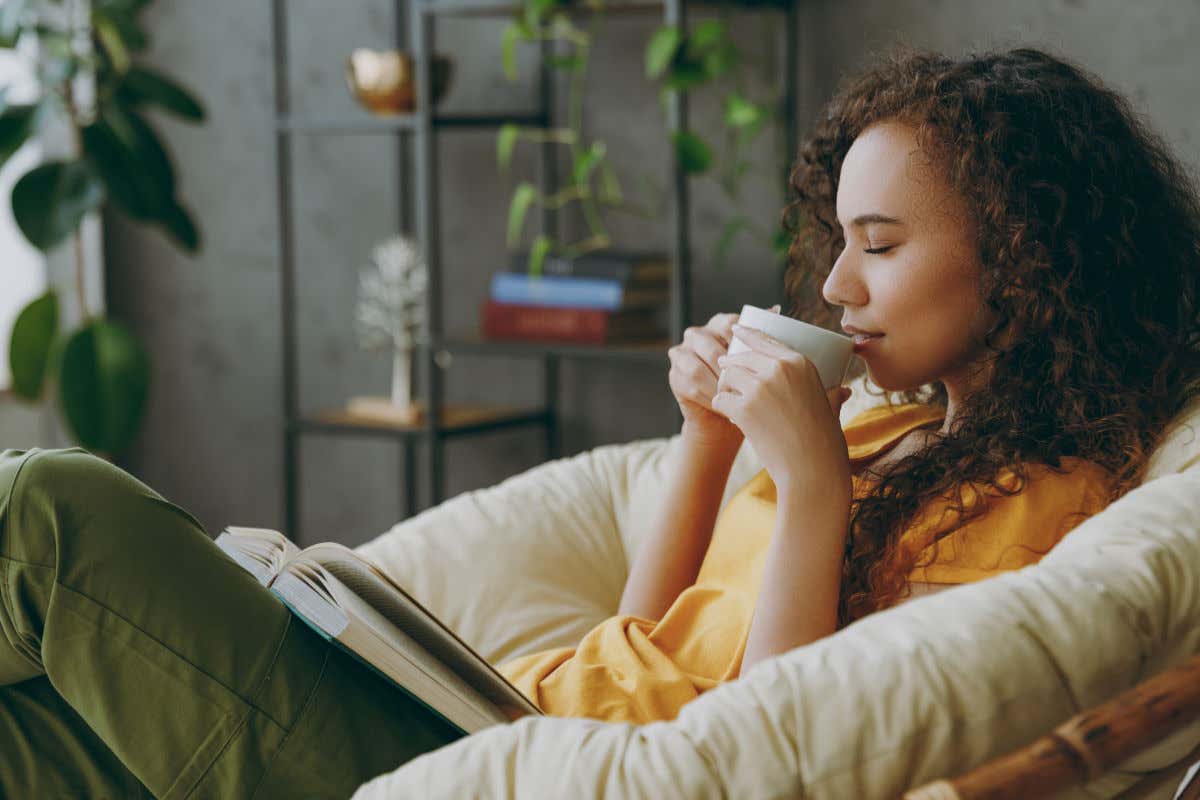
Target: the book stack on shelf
(599, 299)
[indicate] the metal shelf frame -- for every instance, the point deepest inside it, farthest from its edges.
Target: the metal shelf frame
(416, 136)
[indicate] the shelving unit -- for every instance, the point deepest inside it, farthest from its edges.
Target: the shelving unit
(417, 134)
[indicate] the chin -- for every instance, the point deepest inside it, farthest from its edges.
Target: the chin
(890, 381)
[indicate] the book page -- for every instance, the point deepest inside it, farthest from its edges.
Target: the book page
(260, 551)
(402, 610)
(310, 591)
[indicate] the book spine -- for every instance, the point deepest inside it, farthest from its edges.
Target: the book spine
(558, 292)
(629, 269)
(612, 269)
(539, 323)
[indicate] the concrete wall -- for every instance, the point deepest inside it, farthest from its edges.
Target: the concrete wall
(213, 441)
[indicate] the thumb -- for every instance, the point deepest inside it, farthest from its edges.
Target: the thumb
(775, 309)
(837, 398)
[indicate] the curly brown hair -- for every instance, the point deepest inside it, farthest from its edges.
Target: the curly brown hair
(1089, 239)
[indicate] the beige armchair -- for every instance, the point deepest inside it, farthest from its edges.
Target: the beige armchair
(929, 689)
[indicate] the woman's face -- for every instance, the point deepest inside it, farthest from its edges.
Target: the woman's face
(910, 269)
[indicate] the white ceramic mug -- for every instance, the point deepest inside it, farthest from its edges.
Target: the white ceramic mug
(828, 351)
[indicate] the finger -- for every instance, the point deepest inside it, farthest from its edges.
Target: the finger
(757, 340)
(775, 309)
(693, 370)
(759, 363)
(737, 379)
(728, 405)
(706, 344)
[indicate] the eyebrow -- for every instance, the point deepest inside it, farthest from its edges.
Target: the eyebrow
(874, 219)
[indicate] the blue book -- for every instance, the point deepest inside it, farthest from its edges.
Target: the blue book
(563, 292)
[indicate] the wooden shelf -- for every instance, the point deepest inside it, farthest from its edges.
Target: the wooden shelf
(468, 343)
(498, 8)
(366, 123)
(455, 420)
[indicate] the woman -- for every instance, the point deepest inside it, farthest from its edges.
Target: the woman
(1019, 256)
(1014, 253)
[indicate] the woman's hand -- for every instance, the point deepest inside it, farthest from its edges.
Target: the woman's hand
(693, 380)
(774, 396)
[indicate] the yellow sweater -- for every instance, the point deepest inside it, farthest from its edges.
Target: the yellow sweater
(631, 669)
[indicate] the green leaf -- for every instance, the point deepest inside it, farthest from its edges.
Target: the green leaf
(725, 241)
(130, 159)
(505, 141)
(661, 49)
(50, 201)
(523, 197)
(110, 40)
(686, 75)
(182, 228)
(147, 87)
(610, 187)
(693, 154)
(537, 254)
(29, 348)
(104, 375)
(16, 126)
(719, 61)
(706, 36)
(508, 50)
(586, 161)
(742, 113)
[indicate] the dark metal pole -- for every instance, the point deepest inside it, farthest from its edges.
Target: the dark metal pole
(404, 211)
(547, 92)
(674, 13)
(287, 282)
(427, 228)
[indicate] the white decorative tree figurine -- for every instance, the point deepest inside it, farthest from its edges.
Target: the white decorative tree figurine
(390, 316)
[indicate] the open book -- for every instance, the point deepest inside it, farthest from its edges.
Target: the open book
(357, 607)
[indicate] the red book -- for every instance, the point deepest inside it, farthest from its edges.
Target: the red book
(576, 325)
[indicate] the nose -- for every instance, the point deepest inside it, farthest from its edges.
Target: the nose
(844, 286)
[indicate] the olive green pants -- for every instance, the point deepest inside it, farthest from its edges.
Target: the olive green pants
(137, 660)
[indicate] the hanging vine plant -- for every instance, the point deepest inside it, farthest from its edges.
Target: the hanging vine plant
(99, 371)
(705, 56)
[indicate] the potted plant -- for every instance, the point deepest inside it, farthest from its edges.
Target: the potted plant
(89, 80)
(680, 61)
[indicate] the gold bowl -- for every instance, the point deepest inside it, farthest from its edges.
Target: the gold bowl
(384, 82)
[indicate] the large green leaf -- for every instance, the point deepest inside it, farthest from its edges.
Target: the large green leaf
(29, 348)
(16, 125)
(179, 224)
(103, 382)
(691, 151)
(661, 49)
(129, 185)
(523, 197)
(145, 86)
(50, 201)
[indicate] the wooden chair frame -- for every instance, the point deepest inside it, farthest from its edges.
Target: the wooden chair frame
(1087, 745)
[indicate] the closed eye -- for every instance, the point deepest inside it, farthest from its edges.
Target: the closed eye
(878, 250)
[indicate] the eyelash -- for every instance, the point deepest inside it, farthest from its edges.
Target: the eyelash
(877, 250)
